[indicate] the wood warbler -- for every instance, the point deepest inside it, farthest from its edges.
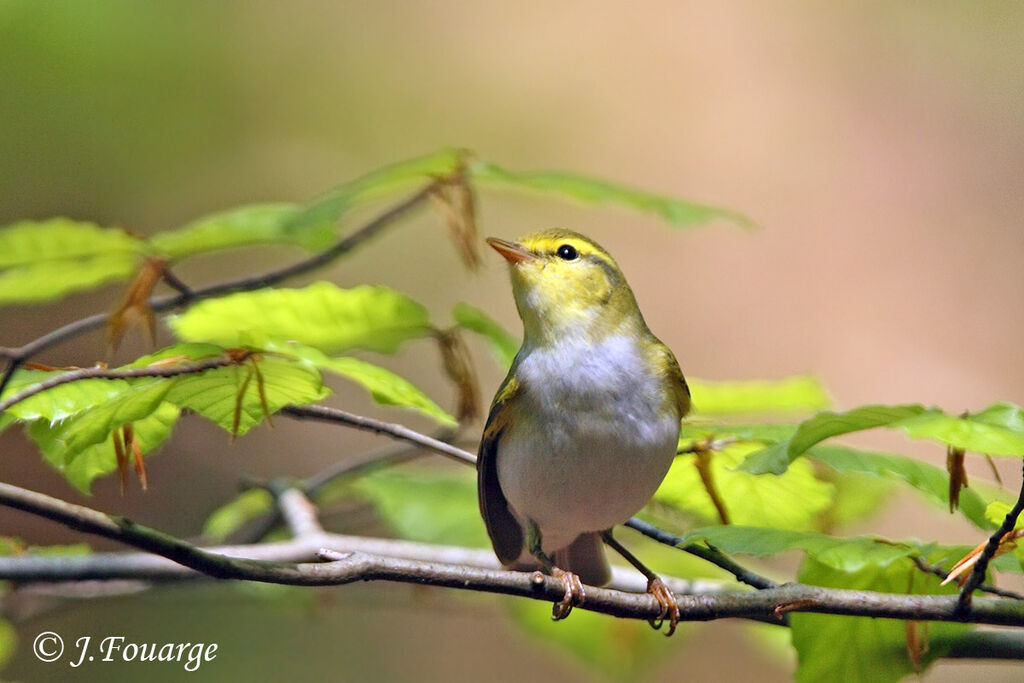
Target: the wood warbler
(585, 425)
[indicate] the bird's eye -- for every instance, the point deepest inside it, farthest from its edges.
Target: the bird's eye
(567, 252)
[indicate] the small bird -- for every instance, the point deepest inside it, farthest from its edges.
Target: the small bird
(586, 424)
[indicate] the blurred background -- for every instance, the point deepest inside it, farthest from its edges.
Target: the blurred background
(877, 146)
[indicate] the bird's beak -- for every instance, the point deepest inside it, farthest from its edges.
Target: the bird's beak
(513, 252)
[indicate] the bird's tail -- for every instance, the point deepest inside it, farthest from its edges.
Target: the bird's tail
(585, 558)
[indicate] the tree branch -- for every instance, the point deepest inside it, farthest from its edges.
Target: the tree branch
(705, 552)
(938, 571)
(768, 603)
(395, 431)
(18, 355)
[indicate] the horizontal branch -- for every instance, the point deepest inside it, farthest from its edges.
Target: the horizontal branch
(363, 566)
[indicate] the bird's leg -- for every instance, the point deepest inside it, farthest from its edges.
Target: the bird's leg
(574, 593)
(655, 586)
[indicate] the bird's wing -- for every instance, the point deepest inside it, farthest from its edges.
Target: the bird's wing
(505, 532)
(676, 380)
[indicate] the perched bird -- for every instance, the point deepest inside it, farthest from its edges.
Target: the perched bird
(586, 424)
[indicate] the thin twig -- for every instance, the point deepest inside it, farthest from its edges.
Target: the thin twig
(17, 355)
(938, 571)
(708, 552)
(977, 575)
(396, 431)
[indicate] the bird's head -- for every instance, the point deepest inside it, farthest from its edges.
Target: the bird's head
(567, 285)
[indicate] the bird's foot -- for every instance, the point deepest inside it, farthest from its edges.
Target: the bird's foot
(669, 605)
(574, 593)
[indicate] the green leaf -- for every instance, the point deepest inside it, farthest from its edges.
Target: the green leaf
(503, 344)
(776, 458)
(932, 481)
(793, 394)
(851, 553)
(64, 440)
(213, 393)
(383, 182)
(81, 447)
(62, 401)
(82, 465)
(589, 190)
(996, 512)
(694, 430)
(431, 506)
(29, 243)
(48, 259)
(321, 315)
(858, 497)
(861, 648)
(240, 227)
(792, 500)
(233, 515)
(997, 430)
(386, 387)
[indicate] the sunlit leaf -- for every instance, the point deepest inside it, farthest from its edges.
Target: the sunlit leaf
(997, 430)
(589, 190)
(793, 394)
(693, 430)
(80, 447)
(59, 402)
(383, 182)
(233, 515)
(504, 345)
(321, 315)
(42, 260)
(243, 226)
(863, 649)
(385, 386)
(932, 481)
(791, 501)
(776, 458)
(214, 393)
(847, 553)
(996, 512)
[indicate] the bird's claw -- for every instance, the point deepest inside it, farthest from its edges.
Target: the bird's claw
(669, 605)
(574, 594)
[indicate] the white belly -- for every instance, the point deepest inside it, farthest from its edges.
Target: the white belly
(590, 442)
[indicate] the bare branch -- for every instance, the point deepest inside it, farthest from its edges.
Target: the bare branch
(361, 566)
(938, 571)
(299, 514)
(709, 553)
(391, 429)
(17, 355)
